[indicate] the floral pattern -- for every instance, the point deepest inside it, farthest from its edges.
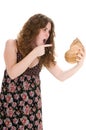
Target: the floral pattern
(20, 101)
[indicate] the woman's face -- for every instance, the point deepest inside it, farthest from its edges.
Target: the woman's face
(43, 35)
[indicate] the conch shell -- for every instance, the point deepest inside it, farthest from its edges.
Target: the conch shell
(71, 54)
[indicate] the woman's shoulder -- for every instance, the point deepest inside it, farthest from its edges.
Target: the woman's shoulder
(11, 43)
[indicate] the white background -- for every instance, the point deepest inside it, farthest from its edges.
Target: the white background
(64, 103)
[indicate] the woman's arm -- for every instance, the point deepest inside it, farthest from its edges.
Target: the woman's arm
(15, 69)
(61, 75)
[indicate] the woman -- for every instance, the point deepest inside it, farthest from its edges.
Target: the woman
(20, 98)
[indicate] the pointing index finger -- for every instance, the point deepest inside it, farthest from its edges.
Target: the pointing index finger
(48, 45)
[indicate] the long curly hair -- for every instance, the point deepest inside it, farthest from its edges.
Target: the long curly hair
(27, 36)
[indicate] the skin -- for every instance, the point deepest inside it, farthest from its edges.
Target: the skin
(44, 34)
(15, 69)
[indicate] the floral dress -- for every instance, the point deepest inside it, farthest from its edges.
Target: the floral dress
(20, 100)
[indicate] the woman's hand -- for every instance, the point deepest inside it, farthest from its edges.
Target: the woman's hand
(81, 56)
(40, 50)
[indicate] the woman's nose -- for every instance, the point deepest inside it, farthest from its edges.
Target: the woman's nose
(47, 34)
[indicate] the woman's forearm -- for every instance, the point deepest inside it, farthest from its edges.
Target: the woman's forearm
(21, 66)
(61, 75)
(67, 74)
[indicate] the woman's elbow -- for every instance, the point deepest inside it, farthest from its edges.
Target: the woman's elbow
(11, 75)
(61, 77)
